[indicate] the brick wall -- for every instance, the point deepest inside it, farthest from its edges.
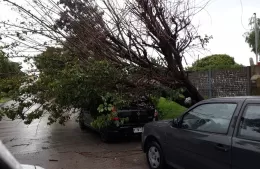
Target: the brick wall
(222, 83)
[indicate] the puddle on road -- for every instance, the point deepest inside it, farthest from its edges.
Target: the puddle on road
(18, 145)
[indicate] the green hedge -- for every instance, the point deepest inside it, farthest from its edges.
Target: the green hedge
(168, 109)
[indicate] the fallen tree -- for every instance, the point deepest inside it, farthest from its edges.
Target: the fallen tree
(148, 37)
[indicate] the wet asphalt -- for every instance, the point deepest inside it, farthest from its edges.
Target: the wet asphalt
(67, 147)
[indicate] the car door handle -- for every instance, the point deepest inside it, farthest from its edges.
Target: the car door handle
(221, 147)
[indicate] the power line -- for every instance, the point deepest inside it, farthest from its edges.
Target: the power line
(242, 13)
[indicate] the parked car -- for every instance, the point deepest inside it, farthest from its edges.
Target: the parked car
(220, 133)
(138, 113)
(7, 160)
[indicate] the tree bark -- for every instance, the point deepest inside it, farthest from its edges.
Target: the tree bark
(192, 91)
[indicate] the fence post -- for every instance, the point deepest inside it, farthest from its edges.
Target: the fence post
(210, 83)
(248, 74)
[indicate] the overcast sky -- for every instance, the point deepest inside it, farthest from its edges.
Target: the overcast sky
(225, 20)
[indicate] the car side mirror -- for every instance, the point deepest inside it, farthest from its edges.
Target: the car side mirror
(176, 122)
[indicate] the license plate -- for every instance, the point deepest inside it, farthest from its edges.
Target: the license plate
(138, 130)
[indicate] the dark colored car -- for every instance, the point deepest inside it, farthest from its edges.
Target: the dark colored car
(138, 114)
(221, 133)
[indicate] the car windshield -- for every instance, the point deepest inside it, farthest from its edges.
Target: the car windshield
(212, 117)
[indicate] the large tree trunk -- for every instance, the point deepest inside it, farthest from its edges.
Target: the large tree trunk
(192, 91)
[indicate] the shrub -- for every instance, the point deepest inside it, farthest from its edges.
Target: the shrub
(169, 109)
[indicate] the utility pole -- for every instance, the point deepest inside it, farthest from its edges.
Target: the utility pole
(256, 39)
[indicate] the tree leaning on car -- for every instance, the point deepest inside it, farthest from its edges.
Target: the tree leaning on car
(143, 41)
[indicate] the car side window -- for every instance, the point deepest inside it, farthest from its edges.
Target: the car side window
(250, 123)
(212, 117)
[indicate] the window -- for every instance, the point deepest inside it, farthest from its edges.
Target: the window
(213, 117)
(250, 123)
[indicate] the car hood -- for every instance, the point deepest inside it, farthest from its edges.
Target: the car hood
(160, 123)
(163, 121)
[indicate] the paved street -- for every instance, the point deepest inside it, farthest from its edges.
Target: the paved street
(59, 147)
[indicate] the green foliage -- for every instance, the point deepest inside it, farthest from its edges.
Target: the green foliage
(169, 109)
(105, 107)
(107, 112)
(221, 61)
(11, 76)
(65, 85)
(106, 120)
(7, 67)
(250, 37)
(102, 121)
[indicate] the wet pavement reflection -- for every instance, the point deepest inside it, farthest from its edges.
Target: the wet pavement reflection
(66, 147)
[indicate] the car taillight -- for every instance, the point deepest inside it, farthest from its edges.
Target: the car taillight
(115, 119)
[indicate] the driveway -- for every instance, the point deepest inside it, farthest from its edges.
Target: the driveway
(67, 147)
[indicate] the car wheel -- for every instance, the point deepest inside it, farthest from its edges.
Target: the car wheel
(81, 122)
(154, 156)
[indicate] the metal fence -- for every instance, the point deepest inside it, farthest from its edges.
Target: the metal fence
(222, 83)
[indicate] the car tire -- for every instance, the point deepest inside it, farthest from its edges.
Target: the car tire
(154, 156)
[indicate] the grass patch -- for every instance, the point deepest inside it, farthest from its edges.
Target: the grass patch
(4, 100)
(169, 109)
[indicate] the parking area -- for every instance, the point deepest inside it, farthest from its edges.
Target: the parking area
(66, 147)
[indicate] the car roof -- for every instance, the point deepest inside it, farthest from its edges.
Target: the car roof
(241, 98)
